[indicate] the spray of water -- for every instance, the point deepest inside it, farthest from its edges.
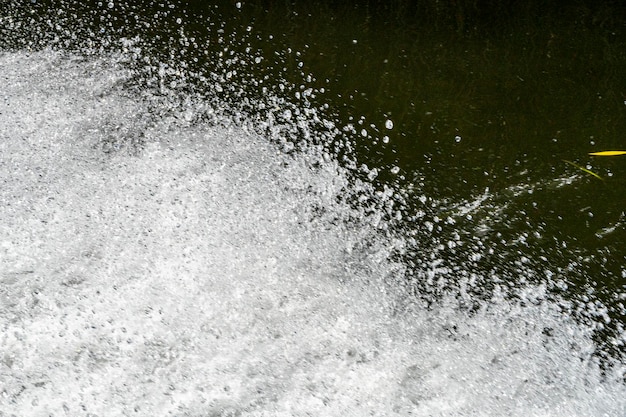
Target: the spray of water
(155, 267)
(168, 251)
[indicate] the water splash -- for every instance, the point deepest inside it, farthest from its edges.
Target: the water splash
(193, 269)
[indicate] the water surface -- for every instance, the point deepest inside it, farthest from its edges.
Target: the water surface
(246, 210)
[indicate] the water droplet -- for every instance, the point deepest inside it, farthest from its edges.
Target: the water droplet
(389, 124)
(457, 138)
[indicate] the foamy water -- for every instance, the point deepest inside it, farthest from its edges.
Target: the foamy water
(208, 274)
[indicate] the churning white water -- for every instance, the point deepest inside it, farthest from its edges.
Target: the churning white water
(208, 274)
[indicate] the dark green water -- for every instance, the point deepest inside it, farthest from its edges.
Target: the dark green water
(469, 125)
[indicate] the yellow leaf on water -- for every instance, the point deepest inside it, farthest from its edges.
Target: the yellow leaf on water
(608, 153)
(583, 169)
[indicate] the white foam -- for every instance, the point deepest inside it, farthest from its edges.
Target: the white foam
(211, 275)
